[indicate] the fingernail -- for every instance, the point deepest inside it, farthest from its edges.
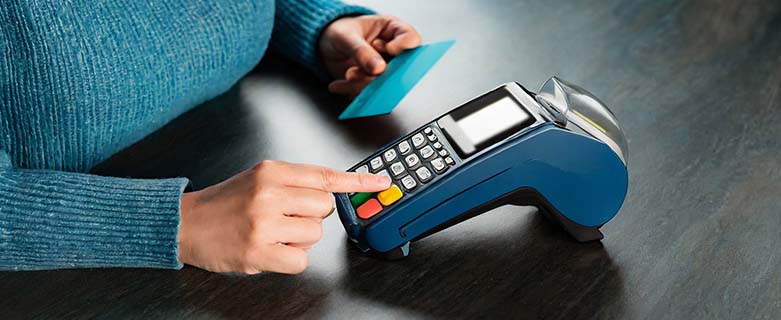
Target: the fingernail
(375, 63)
(383, 180)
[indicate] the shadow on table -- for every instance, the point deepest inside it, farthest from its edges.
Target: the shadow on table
(157, 294)
(537, 273)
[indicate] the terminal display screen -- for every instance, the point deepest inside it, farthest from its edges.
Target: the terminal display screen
(483, 122)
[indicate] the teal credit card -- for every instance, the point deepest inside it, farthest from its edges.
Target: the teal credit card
(403, 72)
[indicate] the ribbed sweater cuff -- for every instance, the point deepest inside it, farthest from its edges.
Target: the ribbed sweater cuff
(55, 220)
(298, 24)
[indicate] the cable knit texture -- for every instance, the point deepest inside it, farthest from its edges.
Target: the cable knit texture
(80, 80)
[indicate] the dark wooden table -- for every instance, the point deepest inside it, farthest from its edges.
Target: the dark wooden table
(695, 84)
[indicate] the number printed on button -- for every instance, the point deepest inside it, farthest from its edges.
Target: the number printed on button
(376, 163)
(423, 174)
(409, 183)
(412, 161)
(397, 169)
(418, 140)
(427, 152)
(390, 155)
(439, 165)
(404, 147)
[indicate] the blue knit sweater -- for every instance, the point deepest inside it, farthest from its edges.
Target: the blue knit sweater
(80, 80)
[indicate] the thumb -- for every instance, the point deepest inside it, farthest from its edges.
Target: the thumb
(366, 56)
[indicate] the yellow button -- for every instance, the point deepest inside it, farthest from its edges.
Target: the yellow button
(389, 196)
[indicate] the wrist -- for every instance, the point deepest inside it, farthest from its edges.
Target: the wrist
(186, 207)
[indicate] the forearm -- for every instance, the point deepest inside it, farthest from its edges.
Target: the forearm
(54, 220)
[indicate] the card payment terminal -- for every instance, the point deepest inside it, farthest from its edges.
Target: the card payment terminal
(560, 150)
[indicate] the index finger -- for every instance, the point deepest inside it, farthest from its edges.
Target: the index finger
(330, 180)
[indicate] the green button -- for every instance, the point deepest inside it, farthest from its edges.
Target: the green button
(359, 198)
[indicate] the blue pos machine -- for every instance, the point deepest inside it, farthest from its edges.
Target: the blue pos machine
(560, 150)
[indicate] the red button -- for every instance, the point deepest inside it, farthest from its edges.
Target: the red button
(369, 209)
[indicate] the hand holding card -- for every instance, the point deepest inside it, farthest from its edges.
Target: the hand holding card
(402, 74)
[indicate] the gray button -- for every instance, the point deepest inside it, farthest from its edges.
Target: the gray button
(383, 173)
(404, 147)
(439, 165)
(443, 153)
(362, 169)
(426, 152)
(409, 183)
(437, 145)
(412, 161)
(449, 161)
(397, 169)
(390, 155)
(423, 174)
(427, 130)
(376, 163)
(418, 140)
(432, 138)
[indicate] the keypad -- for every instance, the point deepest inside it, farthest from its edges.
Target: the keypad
(411, 163)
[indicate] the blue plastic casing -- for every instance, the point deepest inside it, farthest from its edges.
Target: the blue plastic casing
(571, 174)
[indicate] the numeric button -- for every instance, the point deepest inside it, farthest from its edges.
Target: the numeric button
(390, 155)
(412, 161)
(362, 169)
(376, 164)
(449, 161)
(418, 140)
(404, 147)
(424, 175)
(397, 169)
(409, 183)
(427, 152)
(439, 165)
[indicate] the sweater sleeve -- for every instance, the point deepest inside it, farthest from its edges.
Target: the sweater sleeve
(298, 23)
(56, 220)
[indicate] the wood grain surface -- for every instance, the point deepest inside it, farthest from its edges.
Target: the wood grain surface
(695, 84)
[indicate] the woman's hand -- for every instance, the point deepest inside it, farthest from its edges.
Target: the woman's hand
(262, 219)
(352, 49)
